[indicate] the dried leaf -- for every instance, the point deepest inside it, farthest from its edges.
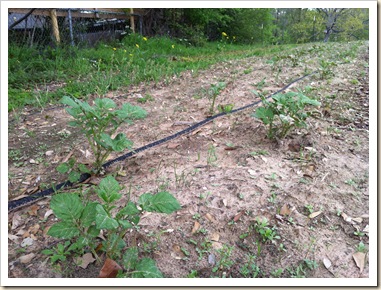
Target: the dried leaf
(264, 159)
(210, 217)
(285, 210)
(238, 216)
(13, 238)
(27, 258)
(33, 210)
(48, 213)
(27, 242)
(327, 263)
(216, 245)
(366, 229)
(177, 253)
(357, 220)
(34, 229)
(215, 237)
(16, 221)
(251, 171)
(196, 227)
(359, 258)
(314, 214)
(173, 145)
(346, 218)
(110, 269)
(85, 260)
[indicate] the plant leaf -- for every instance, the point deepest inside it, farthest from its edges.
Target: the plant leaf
(146, 268)
(108, 189)
(64, 230)
(162, 202)
(130, 258)
(102, 219)
(67, 206)
(63, 168)
(105, 103)
(88, 214)
(130, 112)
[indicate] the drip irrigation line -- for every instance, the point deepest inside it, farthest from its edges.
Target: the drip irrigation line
(15, 204)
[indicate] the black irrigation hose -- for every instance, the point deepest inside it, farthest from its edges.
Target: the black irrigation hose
(14, 204)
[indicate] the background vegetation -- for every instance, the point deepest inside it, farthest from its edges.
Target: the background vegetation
(173, 40)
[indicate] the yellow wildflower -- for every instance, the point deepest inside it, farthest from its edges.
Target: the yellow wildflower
(173, 46)
(224, 34)
(145, 38)
(137, 45)
(114, 48)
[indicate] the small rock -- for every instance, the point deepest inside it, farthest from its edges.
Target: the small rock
(212, 259)
(49, 153)
(27, 242)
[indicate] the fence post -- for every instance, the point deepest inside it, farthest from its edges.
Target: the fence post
(56, 32)
(70, 27)
(132, 20)
(140, 24)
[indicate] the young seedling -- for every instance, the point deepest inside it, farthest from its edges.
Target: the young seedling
(214, 91)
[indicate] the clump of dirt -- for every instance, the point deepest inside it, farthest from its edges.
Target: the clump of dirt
(311, 187)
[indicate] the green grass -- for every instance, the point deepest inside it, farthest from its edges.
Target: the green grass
(86, 71)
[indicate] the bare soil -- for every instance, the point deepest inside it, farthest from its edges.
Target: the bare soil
(225, 175)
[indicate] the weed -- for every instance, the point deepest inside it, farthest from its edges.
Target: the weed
(272, 198)
(259, 152)
(249, 269)
(309, 208)
(225, 262)
(361, 248)
(211, 156)
(276, 273)
(266, 233)
(143, 100)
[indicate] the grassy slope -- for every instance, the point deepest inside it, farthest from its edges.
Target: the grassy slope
(82, 72)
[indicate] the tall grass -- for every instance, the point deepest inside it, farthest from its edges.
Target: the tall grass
(86, 71)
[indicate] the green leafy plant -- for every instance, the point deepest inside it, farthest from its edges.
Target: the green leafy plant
(225, 261)
(59, 253)
(100, 122)
(325, 69)
(73, 168)
(214, 91)
(249, 269)
(262, 227)
(287, 111)
(82, 220)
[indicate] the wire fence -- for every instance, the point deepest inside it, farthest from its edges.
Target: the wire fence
(75, 27)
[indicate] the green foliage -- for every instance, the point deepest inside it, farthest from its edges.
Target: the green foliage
(287, 111)
(94, 122)
(261, 227)
(213, 92)
(249, 269)
(73, 169)
(83, 220)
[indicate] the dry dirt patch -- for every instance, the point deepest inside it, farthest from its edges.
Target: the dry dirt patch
(312, 187)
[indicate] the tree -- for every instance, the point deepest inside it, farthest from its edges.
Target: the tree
(331, 16)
